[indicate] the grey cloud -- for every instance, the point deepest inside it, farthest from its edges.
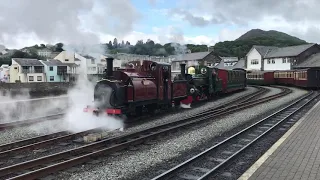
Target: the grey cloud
(59, 20)
(243, 11)
(194, 20)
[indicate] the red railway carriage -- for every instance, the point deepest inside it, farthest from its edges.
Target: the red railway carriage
(309, 78)
(285, 77)
(140, 86)
(260, 77)
(231, 80)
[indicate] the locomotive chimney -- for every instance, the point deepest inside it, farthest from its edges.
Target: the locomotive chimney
(109, 66)
(183, 69)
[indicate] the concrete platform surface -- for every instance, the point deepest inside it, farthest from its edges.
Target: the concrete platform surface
(296, 155)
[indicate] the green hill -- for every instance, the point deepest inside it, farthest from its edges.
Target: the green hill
(243, 44)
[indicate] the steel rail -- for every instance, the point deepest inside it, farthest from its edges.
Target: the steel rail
(173, 172)
(11, 149)
(62, 160)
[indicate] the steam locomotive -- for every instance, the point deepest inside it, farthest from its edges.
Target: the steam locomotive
(147, 86)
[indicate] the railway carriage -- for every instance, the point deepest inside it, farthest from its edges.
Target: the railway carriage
(146, 86)
(260, 77)
(284, 77)
(307, 77)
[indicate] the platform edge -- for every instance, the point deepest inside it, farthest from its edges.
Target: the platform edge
(246, 175)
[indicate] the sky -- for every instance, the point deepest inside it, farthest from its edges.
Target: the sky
(23, 23)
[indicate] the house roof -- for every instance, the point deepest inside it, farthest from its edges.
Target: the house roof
(229, 59)
(263, 50)
(312, 61)
(71, 64)
(27, 62)
(191, 56)
(53, 62)
(240, 64)
(289, 51)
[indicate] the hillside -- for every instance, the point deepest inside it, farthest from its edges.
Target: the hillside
(258, 33)
(243, 44)
(237, 48)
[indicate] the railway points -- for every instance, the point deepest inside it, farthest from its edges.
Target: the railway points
(87, 152)
(294, 156)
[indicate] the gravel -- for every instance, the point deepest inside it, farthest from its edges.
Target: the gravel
(53, 126)
(272, 91)
(178, 115)
(171, 146)
(38, 129)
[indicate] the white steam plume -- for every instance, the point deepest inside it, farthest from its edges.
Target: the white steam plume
(77, 23)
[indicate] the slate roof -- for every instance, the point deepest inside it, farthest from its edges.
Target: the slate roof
(263, 50)
(27, 62)
(239, 64)
(229, 59)
(53, 62)
(312, 61)
(289, 51)
(191, 56)
(71, 64)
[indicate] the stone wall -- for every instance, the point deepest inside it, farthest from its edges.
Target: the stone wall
(36, 89)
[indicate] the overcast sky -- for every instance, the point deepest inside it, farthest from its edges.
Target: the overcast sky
(28, 22)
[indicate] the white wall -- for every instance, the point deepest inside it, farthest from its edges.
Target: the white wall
(277, 64)
(66, 57)
(255, 56)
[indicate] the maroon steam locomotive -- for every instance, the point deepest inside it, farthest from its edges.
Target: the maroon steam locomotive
(137, 88)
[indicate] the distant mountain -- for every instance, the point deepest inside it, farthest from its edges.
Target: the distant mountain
(272, 34)
(243, 44)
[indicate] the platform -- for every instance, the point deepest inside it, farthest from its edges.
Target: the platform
(296, 155)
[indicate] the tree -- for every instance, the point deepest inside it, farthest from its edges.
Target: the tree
(59, 47)
(127, 43)
(115, 43)
(109, 45)
(42, 45)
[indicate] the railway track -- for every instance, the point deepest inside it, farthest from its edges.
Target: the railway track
(10, 153)
(30, 121)
(49, 164)
(207, 164)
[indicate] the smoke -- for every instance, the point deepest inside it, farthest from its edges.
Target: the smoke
(82, 94)
(23, 107)
(77, 120)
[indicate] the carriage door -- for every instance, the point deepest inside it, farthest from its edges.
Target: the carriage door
(165, 75)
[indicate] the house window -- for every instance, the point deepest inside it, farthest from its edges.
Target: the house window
(39, 78)
(92, 61)
(66, 59)
(254, 61)
(51, 68)
(284, 60)
(273, 61)
(51, 78)
(269, 61)
(30, 78)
